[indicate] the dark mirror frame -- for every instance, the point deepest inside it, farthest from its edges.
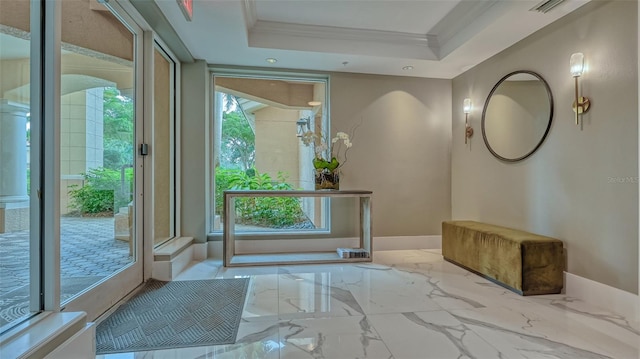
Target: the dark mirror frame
(546, 132)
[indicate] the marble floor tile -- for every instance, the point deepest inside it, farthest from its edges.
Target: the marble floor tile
(342, 337)
(262, 298)
(435, 334)
(596, 317)
(235, 272)
(392, 291)
(533, 332)
(254, 340)
(200, 270)
(315, 295)
(407, 304)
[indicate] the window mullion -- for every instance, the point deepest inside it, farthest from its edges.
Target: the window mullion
(50, 153)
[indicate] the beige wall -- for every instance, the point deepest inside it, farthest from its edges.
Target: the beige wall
(581, 185)
(401, 150)
(162, 152)
(81, 139)
(194, 153)
(276, 143)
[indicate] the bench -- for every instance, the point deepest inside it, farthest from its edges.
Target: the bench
(526, 263)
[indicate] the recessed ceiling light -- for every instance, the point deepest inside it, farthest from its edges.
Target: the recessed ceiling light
(272, 60)
(314, 103)
(408, 68)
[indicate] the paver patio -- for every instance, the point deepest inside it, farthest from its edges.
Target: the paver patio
(88, 253)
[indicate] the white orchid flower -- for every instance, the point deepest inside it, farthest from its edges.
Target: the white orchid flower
(321, 145)
(321, 148)
(308, 138)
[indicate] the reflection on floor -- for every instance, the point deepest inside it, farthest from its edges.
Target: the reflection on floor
(408, 304)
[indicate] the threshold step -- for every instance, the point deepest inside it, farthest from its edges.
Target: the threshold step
(172, 248)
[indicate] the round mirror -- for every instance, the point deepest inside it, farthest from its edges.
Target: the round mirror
(517, 115)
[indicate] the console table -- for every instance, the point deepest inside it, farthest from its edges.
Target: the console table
(231, 259)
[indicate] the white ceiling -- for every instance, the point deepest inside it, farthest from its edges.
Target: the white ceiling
(438, 38)
(13, 48)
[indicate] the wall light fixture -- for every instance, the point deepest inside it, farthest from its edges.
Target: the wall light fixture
(304, 125)
(468, 130)
(581, 104)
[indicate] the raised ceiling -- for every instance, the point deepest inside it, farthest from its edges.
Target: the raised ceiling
(439, 38)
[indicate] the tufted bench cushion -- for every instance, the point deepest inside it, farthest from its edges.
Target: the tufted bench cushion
(526, 263)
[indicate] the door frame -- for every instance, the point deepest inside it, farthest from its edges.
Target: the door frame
(98, 298)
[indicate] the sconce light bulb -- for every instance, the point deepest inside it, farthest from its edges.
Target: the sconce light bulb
(577, 64)
(466, 105)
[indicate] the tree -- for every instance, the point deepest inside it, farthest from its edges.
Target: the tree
(118, 129)
(238, 148)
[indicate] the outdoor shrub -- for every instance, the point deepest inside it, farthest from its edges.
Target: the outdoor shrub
(277, 212)
(223, 176)
(102, 191)
(88, 199)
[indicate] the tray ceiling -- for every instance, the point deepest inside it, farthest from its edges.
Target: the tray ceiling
(438, 39)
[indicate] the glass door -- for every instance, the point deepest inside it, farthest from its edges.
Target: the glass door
(17, 299)
(100, 169)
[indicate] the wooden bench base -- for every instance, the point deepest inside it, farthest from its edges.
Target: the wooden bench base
(526, 263)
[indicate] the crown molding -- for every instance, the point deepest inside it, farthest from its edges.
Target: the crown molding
(460, 17)
(250, 13)
(461, 24)
(338, 33)
(288, 36)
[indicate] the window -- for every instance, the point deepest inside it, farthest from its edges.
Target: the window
(163, 142)
(257, 145)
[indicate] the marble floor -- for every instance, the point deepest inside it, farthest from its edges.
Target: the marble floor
(407, 304)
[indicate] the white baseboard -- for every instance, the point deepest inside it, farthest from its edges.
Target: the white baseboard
(214, 248)
(407, 242)
(81, 345)
(602, 295)
(169, 269)
(39, 337)
(199, 251)
(174, 256)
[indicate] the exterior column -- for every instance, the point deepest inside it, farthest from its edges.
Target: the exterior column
(14, 201)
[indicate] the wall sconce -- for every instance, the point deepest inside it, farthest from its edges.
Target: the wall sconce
(304, 125)
(581, 104)
(468, 130)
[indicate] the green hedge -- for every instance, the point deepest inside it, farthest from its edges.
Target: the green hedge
(273, 212)
(101, 192)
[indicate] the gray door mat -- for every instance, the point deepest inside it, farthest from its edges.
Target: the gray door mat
(175, 314)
